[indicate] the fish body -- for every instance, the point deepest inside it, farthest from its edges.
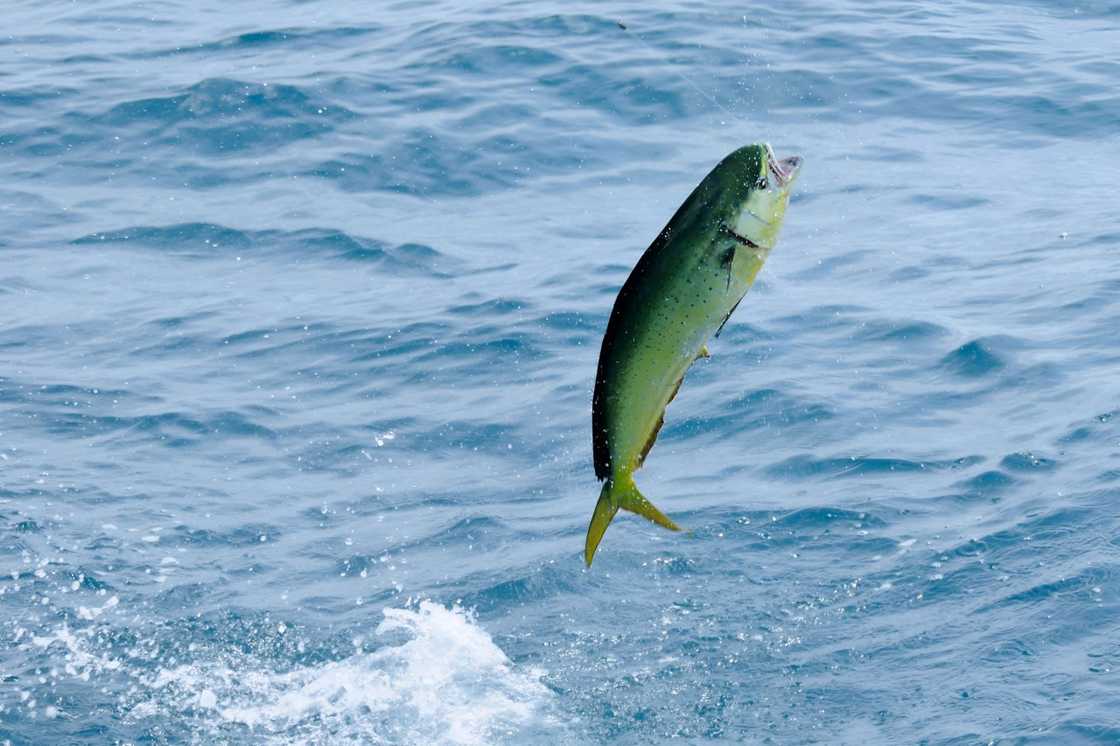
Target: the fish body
(681, 292)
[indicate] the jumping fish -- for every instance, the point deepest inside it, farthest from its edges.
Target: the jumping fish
(683, 289)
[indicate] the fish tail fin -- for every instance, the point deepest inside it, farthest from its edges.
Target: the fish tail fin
(604, 513)
(624, 494)
(634, 501)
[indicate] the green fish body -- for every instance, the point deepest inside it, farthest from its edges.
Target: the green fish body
(682, 291)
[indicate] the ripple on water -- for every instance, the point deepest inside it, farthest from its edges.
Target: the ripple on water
(202, 239)
(980, 357)
(753, 410)
(218, 115)
(806, 466)
(986, 485)
(1028, 462)
(546, 581)
(254, 42)
(214, 117)
(902, 331)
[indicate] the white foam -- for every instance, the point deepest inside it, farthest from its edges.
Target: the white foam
(91, 614)
(437, 678)
(446, 683)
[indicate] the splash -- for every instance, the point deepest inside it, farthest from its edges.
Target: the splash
(449, 683)
(439, 679)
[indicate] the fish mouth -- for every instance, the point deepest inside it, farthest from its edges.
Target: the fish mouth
(784, 170)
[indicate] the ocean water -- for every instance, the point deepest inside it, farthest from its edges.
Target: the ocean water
(301, 306)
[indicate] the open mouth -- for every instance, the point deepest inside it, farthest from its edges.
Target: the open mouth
(785, 169)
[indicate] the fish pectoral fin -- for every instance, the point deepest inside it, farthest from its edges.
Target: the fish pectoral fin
(728, 316)
(618, 494)
(727, 261)
(704, 352)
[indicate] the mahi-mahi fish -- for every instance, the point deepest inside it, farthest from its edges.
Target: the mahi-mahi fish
(682, 291)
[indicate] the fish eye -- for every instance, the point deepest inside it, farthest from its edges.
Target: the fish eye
(762, 183)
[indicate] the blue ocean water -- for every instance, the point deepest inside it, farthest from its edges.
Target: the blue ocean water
(301, 309)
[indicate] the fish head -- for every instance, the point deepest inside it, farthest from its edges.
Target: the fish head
(752, 188)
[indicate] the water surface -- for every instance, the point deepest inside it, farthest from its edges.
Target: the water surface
(301, 310)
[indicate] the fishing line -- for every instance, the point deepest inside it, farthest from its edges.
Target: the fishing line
(679, 73)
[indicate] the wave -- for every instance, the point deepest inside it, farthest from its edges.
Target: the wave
(200, 239)
(806, 466)
(980, 357)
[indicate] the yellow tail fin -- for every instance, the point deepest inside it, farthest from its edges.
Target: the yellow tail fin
(623, 494)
